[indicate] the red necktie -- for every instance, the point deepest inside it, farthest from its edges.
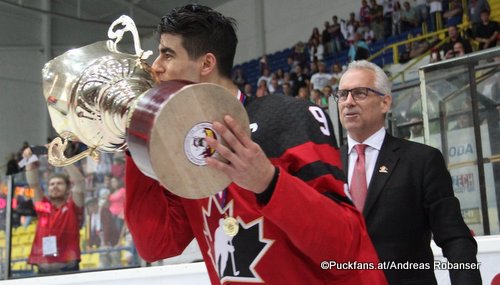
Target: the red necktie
(358, 180)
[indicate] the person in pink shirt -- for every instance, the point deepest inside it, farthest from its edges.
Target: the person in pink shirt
(117, 200)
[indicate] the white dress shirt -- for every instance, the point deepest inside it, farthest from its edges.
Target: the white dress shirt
(374, 143)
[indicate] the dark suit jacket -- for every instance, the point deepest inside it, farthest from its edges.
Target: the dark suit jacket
(407, 203)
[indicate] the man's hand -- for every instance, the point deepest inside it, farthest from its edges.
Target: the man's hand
(247, 164)
(27, 153)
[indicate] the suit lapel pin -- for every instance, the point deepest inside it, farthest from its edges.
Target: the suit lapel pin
(383, 169)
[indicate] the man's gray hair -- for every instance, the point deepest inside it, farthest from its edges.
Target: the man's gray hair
(382, 82)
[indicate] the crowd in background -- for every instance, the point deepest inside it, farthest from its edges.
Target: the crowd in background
(307, 76)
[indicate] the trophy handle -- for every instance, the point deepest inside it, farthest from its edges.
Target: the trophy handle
(56, 153)
(129, 26)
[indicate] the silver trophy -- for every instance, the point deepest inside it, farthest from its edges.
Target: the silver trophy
(111, 101)
(90, 90)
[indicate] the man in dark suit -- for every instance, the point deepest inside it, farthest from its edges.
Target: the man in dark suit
(408, 194)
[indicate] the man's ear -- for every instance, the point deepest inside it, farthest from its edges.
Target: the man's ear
(386, 103)
(208, 64)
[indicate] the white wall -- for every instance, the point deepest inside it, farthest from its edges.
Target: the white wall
(286, 22)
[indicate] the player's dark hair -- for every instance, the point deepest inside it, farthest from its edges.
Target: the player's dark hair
(203, 30)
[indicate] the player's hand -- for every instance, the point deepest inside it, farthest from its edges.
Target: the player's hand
(247, 164)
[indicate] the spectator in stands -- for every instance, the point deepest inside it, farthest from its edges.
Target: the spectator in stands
(319, 99)
(377, 20)
(453, 15)
(118, 166)
(458, 50)
(280, 76)
(23, 209)
(239, 77)
(266, 77)
(117, 201)
(248, 90)
(366, 32)
(287, 89)
(103, 233)
(396, 19)
(303, 93)
(336, 37)
(263, 63)
(290, 65)
(12, 166)
(336, 72)
(435, 55)
(359, 49)
(409, 18)
(327, 91)
(299, 79)
(351, 27)
(261, 89)
(299, 54)
(364, 13)
(315, 35)
(388, 6)
(287, 79)
(487, 31)
(435, 15)
(422, 9)
(313, 68)
(56, 245)
(474, 11)
(455, 36)
(275, 88)
(321, 78)
(326, 40)
(316, 50)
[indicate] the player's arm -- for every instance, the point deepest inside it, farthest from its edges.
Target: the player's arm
(155, 217)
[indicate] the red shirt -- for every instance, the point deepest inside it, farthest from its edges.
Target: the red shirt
(64, 224)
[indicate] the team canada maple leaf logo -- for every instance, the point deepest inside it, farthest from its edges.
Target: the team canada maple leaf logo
(234, 258)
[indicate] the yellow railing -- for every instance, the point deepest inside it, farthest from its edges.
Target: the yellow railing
(395, 46)
(417, 60)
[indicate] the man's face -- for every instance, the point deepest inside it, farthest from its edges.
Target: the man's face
(452, 31)
(485, 17)
(362, 118)
(173, 61)
(327, 90)
(458, 49)
(286, 89)
(57, 188)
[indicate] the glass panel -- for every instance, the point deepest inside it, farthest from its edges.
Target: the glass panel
(407, 113)
(105, 242)
(458, 117)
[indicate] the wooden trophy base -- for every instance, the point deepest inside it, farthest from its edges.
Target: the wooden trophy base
(167, 130)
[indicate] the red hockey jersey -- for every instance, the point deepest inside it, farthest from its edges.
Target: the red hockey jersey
(307, 225)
